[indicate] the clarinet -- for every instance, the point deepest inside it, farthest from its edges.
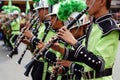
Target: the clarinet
(35, 30)
(47, 24)
(29, 66)
(54, 74)
(22, 55)
(21, 35)
(37, 56)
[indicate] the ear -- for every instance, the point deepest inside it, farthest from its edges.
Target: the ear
(102, 2)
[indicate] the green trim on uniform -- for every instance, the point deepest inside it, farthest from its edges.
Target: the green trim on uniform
(11, 38)
(45, 70)
(59, 77)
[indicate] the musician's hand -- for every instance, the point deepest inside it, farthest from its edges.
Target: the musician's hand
(57, 47)
(57, 70)
(66, 35)
(40, 45)
(25, 41)
(27, 25)
(65, 63)
(28, 34)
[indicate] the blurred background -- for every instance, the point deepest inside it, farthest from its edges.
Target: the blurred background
(9, 70)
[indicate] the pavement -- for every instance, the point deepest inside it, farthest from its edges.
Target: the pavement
(10, 70)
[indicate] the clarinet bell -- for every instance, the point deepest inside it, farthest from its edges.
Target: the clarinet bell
(13, 52)
(27, 73)
(28, 67)
(19, 61)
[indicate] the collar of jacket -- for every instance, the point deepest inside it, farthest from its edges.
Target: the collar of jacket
(107, 24)
(103, 18)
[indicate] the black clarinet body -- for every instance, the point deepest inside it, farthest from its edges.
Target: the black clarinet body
(32, 21)
(20, 59)
(47, 28)
(35, 32)
(47, 46)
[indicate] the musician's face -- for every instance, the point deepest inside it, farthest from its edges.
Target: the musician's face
(57, 24)
(42, 13)
(15, 15)
(94, 6)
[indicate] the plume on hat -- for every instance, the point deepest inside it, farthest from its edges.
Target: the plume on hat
(9, 9)
(68, 7)
(52, 2)
(35, 0)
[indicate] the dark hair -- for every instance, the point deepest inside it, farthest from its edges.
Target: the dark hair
(108, 4)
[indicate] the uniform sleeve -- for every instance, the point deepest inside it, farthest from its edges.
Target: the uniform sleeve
(104, 50)
(34, 41)
(89, 58)
(81, 54)
(76, 68)
(50, 57)
(69, 54)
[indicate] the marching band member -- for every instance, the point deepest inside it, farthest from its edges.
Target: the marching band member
(55, 24)
(97, 53)
(15, 27)
(39, 71)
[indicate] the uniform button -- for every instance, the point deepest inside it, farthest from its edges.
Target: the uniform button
(75, 69)
(81, 52)
(49, 59)
(85, 55)
(82, 69)
(96, 62)
(99, 62)
(93, 61)
(79, 70)
(89, 58)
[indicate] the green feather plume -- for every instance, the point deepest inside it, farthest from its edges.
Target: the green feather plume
(64, 10)
(15, 8)
(52, 2)
(5, 7)
(35, 0)
(68, 7)
(78, 5)
(9, 9)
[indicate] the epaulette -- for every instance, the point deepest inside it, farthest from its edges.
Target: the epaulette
(107, 24)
